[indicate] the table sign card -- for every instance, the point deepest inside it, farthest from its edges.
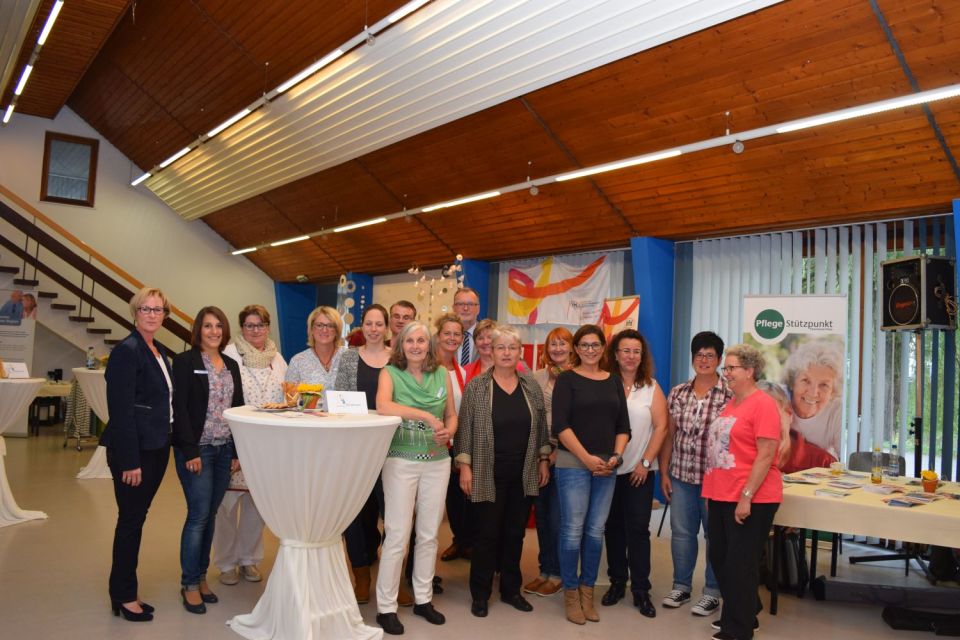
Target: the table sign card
(346, 402)
(16, 370)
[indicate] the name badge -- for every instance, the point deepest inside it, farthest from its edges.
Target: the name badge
(201, 372)
(348, 402)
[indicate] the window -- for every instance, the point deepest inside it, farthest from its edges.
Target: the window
(69, 169)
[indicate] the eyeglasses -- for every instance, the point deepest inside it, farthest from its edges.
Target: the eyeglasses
(590, 346)
(151, 311)
(730, 367)
(466, 304)
(706, 356)
(257, 327)
(323, 326)
(630, 352)
(501, 348)
(406, 318)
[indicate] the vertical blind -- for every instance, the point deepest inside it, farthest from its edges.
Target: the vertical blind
(712, 277)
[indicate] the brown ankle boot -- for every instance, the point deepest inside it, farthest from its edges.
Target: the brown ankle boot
(571, 603)
(361, 589)
(586, 603)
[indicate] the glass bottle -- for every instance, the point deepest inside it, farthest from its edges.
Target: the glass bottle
(876, 470)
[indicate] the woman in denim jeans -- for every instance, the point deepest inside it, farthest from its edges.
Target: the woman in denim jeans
(205, 383)
(591, 423)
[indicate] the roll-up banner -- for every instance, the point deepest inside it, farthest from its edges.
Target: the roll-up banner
(804, 341)
(18, 317)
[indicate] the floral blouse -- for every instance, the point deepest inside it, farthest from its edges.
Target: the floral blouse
(216, 431)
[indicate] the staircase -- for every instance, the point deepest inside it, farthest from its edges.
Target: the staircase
(81, 296)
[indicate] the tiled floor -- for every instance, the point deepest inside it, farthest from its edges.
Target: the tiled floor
(54, 575)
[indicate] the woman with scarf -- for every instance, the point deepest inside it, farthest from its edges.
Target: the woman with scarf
(238, 536)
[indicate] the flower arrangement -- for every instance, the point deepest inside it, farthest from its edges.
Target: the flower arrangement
(309, 395)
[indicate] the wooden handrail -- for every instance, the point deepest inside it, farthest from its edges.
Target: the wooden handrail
(23, 204)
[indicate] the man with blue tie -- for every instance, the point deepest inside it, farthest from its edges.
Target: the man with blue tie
(466, 304)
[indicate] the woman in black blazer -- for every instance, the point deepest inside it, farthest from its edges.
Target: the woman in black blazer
(137, 439)
(205, 383)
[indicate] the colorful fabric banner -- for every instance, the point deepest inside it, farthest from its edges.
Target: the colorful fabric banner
(803, 339)
(557, 290)
(619, 314)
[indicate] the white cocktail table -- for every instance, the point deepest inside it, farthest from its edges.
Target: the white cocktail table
(15, 398)
(93, 382)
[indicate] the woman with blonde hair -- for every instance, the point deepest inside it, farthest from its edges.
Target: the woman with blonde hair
(319, 363)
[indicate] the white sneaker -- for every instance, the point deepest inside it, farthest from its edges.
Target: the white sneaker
(250, 573)
(706, 605)
(675, 599)
(229, 577)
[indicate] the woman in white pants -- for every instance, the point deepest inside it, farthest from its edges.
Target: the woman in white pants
(238, 534)
(415, 474)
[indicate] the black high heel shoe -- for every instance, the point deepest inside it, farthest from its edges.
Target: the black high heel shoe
(131, 616)
(146, 607)
(192, 608)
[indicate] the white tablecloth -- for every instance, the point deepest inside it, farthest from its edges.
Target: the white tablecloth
(15, 397)
(94, 385)
(309, 477)
(865, 514)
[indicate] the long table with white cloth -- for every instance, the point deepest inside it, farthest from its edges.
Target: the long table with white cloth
(865, 513)
(309, 475)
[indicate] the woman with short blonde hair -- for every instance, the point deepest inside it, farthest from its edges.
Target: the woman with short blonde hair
(319, 363)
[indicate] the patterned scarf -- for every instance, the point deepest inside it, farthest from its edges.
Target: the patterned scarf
(253, 357)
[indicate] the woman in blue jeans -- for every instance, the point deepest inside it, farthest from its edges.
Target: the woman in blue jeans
(205, 383)
(591, 423)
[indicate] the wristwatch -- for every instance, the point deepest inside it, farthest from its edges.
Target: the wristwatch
(747, 494)
(619, 459)
(645, 463)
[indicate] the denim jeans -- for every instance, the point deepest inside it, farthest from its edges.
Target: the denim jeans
(204, 493)
(688, 511)
(547, 509)
(584, 505)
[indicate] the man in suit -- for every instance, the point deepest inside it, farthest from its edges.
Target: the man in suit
(466, 304)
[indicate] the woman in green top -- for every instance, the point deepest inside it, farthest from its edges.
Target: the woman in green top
(415, 474)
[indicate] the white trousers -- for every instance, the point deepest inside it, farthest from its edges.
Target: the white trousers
(409, 485)
(237, 539)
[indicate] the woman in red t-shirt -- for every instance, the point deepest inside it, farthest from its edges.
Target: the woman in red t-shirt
(743, 489)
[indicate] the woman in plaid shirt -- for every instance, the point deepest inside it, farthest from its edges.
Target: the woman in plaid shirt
(692, 406)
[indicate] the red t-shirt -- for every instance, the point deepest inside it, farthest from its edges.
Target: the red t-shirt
(732, 449)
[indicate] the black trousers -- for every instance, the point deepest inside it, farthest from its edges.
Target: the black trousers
(627, 534)
(734, 552)
(363, 537)
(132, 506)
(459, 511)
(498, 543)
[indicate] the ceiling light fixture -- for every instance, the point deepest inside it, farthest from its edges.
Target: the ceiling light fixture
(459, 201)
(48, 25)
(621, 164)
(175, 157)
(236, 118)
(140, 179)
(240, 252)
(23, 79)
(405, 10)
(922, 97)
(8, 113)
(289, 241)
(357, 225)
(309, 71)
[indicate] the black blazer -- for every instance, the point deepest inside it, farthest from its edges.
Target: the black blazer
(190, 394)
(138, 400)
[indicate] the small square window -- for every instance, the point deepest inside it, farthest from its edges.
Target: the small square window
(69, 169)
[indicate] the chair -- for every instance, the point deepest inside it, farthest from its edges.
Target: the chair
(863, 461)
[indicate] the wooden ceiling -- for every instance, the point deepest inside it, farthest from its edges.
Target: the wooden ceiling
(795, 59)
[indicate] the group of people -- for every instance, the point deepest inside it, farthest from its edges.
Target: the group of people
(481, 438)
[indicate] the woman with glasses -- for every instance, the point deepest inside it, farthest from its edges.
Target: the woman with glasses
(360, 371)
(743, 489)
(692, 406)
(416, 389)
(627, 530)
(319, 363)
(137, 439)
(483, 342)
(555, 358)
(238, 537)
(205, 384)
(591, 423)
(503, 453)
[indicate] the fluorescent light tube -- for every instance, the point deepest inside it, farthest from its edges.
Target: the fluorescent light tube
(405, 10)
(23, 79)
(309, 71)
(175, 157)
(454, 203)
(236, 118)
(239, 252)
(140, 179)
(288, 241)
(358, 225)
(6, 116)
(48, 26)
(951, 91)
(613, 166)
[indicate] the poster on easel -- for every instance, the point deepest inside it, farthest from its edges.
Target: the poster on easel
(18, 318)
(803, 338)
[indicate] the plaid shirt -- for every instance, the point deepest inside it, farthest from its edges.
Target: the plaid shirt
(692, 418)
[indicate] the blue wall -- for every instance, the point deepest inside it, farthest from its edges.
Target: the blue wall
(476, 275)
(652, 261)
(294, 304)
